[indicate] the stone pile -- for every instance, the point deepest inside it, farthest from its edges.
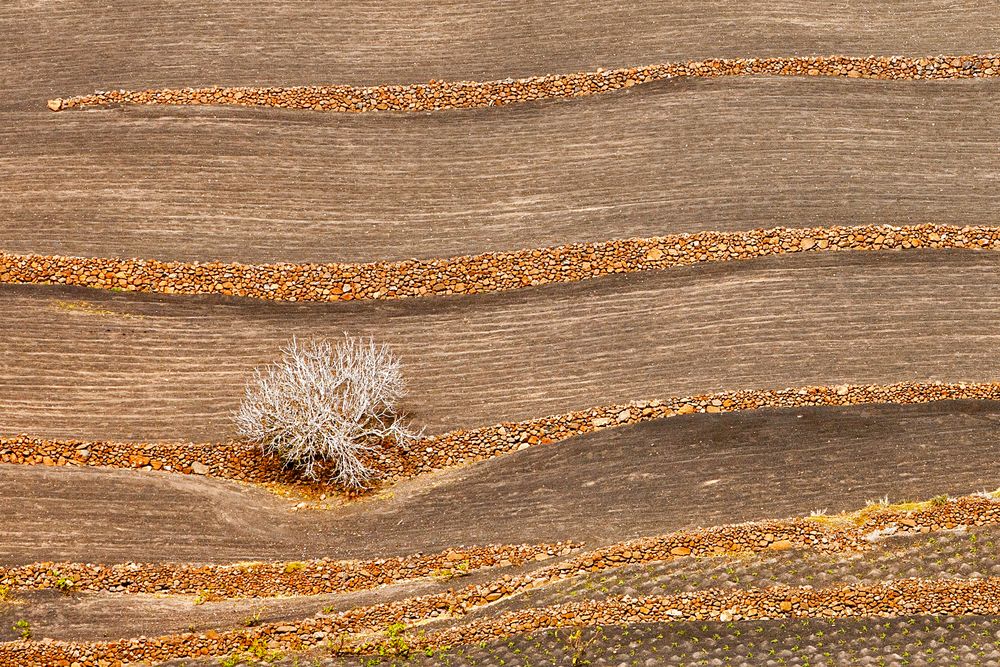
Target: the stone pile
(394, 462)
(488, 272)
(437, 95)
(252, 580)
(980, 596)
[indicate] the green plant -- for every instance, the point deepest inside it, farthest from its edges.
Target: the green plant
(65, 585)
(395, 641)
(22, 628)
(576, 645)
(7, 596)
(252, 620)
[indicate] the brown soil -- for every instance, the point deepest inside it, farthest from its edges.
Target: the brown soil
(83, 45)
(90, 364)
(658, 477)
(265, 186)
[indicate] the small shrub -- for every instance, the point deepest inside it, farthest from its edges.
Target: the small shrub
(22, 628)
(322, 407)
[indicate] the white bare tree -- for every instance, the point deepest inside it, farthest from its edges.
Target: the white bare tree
(322, 407)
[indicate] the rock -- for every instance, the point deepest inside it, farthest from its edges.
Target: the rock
(780, 545)
(680, 551)
(56, 104)
(199, 468)
(654, 254)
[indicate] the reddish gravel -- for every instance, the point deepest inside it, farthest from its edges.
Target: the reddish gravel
(392, 463)
(907, 596)
(438, 95)
(471, 275)
(617, 484)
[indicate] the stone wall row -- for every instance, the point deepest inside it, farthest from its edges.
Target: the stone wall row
(488, 272)
(268, 579)
(437, 95)
(394, 462)
(848, 533)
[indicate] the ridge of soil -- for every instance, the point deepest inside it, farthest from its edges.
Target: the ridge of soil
(617, 484)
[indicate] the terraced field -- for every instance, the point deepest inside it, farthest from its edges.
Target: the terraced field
(681, 156)
(83, 363)
(696, 306)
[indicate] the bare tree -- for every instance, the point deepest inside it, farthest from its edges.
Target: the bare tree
(321, 408)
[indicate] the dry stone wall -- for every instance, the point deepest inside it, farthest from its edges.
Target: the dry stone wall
(254, 580)
(488, 272)
(393, 462)
(437, 95)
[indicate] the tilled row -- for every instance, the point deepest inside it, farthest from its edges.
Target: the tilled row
(471, 94)
(267, 579)
(393, 462)
(980, 597)
(488, 272)
(851, 533)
